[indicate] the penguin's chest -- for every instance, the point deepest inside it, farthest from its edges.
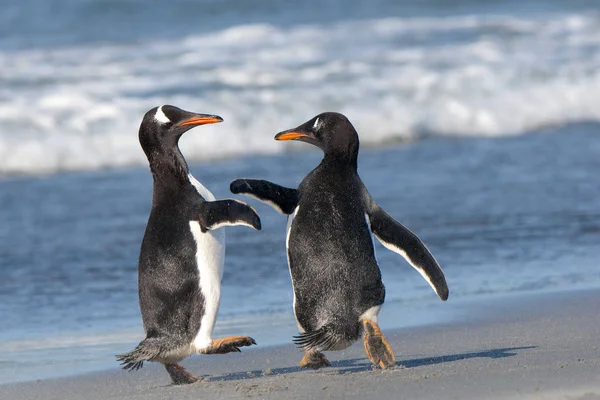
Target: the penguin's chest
(209, 257)
(210, 251)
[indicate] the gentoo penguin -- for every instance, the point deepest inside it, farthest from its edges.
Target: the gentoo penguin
(337, 284)
(182, 253)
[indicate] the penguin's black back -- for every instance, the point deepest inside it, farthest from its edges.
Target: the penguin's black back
(170, 299)
(332, 261)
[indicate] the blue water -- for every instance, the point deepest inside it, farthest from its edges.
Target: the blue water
(76, 75)
(478, 119)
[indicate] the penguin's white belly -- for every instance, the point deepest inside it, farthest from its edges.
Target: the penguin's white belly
(210, 259)
(290, 221)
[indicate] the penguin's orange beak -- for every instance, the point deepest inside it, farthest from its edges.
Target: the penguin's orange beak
(290, 135)
(202, 119)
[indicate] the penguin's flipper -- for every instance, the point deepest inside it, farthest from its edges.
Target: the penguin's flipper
(282, 199)
(396, 237)
(215, 214)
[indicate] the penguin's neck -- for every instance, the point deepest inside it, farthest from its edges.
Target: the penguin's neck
(168, 167)
(344, 160)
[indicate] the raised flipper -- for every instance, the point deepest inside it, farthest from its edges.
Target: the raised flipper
(282, 199)
(215, 214)
(396, 237)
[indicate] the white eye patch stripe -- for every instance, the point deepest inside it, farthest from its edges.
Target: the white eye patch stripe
(317, 123)
(161, 117)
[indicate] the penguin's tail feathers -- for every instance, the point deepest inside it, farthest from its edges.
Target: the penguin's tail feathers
(145, 351)
(328, 337)
(148, 350)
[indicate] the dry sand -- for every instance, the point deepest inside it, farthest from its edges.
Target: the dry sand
(537, 346)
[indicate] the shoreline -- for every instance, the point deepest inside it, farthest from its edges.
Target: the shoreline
(538, 346)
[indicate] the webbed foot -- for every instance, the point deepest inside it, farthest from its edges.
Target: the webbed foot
(314, 359)
(229, 345)
(179, 375)
(377, 347)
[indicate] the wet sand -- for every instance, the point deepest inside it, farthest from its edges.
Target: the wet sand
(530, 346)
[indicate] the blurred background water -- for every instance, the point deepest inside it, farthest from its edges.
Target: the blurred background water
(478, 121)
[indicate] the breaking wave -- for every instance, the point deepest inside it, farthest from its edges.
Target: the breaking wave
(79, 107)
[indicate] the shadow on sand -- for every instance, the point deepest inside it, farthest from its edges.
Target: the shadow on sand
(363, 364)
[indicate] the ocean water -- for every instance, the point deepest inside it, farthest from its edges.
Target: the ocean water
(478, 120)
(77, 75)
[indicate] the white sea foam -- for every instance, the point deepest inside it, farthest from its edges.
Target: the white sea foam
(80, 107)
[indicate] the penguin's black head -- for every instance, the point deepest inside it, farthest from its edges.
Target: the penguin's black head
(330, 131)
(162, 126)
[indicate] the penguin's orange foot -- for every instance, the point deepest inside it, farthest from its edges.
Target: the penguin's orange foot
(377, 347)
(314, 359)
(179, 375)
(229, 345)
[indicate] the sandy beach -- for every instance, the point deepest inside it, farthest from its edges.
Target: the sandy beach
(530, 346)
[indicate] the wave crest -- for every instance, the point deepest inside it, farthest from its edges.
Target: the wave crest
(396, 79)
